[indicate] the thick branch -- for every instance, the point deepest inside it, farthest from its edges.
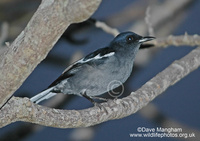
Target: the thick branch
(44, 29)
(21, 109)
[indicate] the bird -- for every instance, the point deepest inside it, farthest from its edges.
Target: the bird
(90, 76)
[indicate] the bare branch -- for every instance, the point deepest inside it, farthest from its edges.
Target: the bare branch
(161, 14)
(107, 28)
(44, 29)
(21, 109)
(148, 22)
(190, 40)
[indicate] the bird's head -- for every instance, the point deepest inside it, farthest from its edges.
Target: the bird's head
(131, 40)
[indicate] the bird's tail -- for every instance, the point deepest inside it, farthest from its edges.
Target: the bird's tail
(46, 94)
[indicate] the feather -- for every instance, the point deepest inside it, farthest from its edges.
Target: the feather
(46, 94)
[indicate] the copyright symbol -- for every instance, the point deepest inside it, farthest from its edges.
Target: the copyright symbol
(114, 84)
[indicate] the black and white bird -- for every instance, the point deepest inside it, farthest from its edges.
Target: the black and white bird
(89, 77)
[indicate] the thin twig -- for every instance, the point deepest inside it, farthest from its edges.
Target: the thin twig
(148, 22)
(106, 28)
(190, 40)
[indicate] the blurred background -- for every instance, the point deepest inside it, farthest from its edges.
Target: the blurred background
(178, 107)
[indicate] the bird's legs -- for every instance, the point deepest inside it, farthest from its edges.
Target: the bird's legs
(88, 98)
(100, 98)
(91, 99)
(93, 102)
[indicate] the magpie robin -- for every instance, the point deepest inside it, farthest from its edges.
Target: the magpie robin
(89, 77)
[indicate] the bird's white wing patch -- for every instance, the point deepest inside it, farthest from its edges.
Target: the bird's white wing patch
(96, 57)
(85, 61)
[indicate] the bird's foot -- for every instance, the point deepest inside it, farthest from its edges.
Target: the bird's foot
(100, 98)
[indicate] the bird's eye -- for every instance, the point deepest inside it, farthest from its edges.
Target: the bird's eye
(129, 39)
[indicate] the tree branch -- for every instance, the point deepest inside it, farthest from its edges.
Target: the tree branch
(21, 109)
(33, 44)
(187, 40)
(106, 28)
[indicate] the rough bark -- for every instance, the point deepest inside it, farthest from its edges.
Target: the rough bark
(41, 33)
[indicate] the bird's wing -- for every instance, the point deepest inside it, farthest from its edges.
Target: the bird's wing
(101, 55)
(69, 72)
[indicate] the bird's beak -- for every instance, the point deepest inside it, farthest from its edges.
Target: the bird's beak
(145, 39)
